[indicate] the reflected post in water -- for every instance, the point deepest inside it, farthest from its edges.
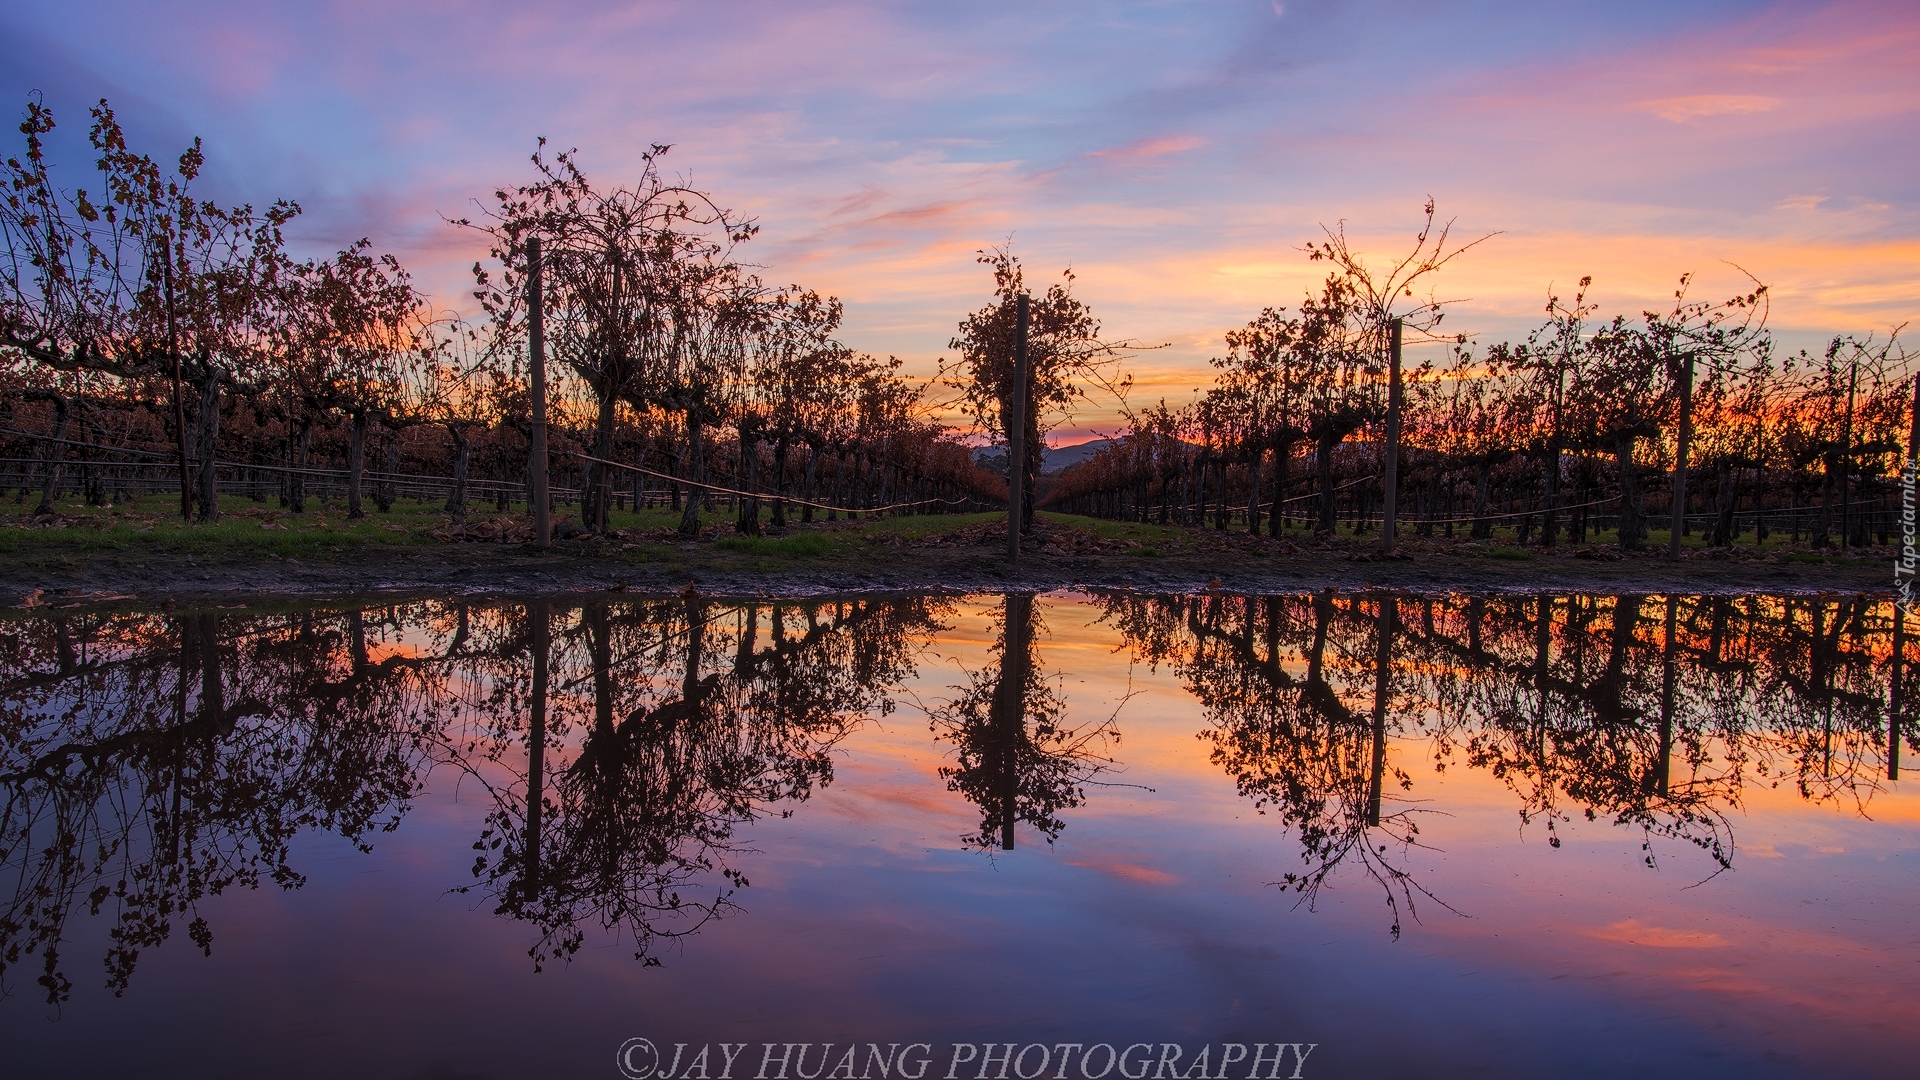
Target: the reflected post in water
(1009, 708)
(1017, 760)
(1383, 666)
(1669, 672)
(538, 617)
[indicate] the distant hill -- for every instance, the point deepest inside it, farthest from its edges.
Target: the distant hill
(1061, 458)
(1057, 458)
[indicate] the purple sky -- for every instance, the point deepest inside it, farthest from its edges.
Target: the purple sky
(1176, 155)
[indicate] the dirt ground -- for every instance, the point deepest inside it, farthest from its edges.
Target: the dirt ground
(973, 561)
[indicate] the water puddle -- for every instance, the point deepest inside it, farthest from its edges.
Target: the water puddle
(1371, 834)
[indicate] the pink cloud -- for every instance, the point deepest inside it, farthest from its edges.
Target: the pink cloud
(1140, 875)
(879, 150)
(1161, 146)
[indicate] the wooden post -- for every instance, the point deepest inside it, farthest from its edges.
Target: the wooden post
(1682, 446)
(1392, 478)
(1846, 454)
(537, 359)
(179, 406)
(1893, 691)
(1913, 437)
(1017, 433)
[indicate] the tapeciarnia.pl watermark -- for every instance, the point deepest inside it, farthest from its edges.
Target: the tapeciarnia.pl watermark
(1909, 561)
(639, 1059)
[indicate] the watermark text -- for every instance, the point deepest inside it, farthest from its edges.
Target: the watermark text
(640, 1059)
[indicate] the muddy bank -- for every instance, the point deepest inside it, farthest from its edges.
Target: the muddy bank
(511, 570)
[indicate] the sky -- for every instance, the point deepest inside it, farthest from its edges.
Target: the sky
(1175, 155)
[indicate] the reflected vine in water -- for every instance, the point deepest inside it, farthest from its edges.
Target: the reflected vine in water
(151, 761)
(148, 762)
(1592, 706)
(690, 727)
(1277, 680)
(1016, 758)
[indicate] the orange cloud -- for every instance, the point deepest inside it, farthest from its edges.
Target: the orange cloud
(1692, 107)
(1633, 932)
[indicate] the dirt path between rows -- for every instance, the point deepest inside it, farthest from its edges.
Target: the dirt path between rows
(512, 570)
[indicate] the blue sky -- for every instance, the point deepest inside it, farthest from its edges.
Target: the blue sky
(1176, 155)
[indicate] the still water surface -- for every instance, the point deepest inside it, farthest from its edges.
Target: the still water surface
(1505, 836)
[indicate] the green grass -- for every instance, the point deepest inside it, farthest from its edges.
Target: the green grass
(921, 527)
(793, 546)
(1141, 532)
(153, 525)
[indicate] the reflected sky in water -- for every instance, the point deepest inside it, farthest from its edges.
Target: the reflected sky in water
(1564, 835)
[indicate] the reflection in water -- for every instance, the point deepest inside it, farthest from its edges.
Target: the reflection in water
(1017, 758)
(1658, 714)
(148, 761)
(152, 761)
(1296, 694)
(689, 724)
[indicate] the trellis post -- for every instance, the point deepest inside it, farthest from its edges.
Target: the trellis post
(537, 360)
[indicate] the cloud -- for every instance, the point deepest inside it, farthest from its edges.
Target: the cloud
(1152, 148)
(1175, 155)
(1633, 932)
(1139, 875)
(1680, 110)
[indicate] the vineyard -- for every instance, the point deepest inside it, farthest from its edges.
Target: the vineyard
(1569, 435)
(154, 342)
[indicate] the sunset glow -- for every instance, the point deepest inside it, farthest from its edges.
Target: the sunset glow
(1176, 156)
